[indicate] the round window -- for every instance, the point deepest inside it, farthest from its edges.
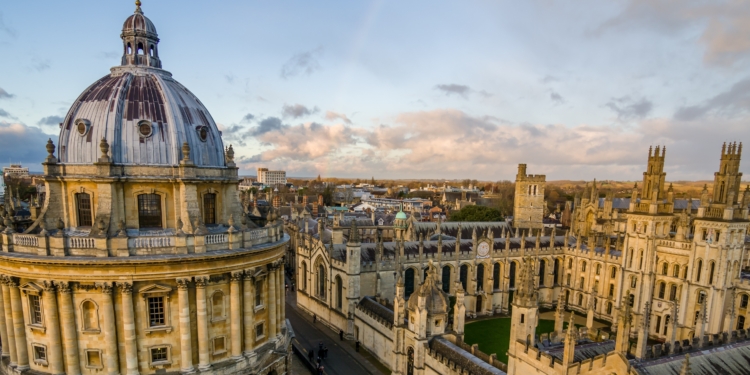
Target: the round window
(81, 128)
(203, 133)
(145, 129)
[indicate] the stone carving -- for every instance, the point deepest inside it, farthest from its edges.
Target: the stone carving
(63, 286)
(201, 281)
(105, 286)
(48, 286)
(126, 288)
(237, 276)
(183, 283)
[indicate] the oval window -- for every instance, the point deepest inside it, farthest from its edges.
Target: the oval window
(145, 129)
(203, 133)
(82, 126)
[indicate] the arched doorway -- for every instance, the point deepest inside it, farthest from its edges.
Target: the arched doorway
(408, 282)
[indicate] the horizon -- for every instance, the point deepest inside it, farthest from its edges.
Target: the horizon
(411, 91)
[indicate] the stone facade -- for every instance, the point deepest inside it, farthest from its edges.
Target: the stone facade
(528, 203)
(143, 268)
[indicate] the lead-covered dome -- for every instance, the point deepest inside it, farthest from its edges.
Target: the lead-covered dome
(143, 113)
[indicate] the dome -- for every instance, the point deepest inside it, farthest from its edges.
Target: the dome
(401, 215)
(144, 114)
(436, 301)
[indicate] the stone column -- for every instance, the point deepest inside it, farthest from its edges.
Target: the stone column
(249, 314)
(111, 357)
(3, 328)
(236, 314)
(128, 322)
(69, 334)
(282, 301)
(19, 327)
(186, 341)
(52, 323)
(10, 332)
(204, 362)
(271, 301)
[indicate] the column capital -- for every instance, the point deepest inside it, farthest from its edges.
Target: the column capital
(49, 286)
(126, 288)
(201, 281)
(63, 287)
(106, 287)
(183, 283)
(236, 277)
(11, 281)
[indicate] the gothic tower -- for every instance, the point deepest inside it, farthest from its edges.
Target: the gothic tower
(528, 204)
(727, 179)
(353, 263)
(653, 178)
(525, 313)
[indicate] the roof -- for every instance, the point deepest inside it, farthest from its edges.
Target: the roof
(584, 350)
(725, 359)
(467, 228)
(463, 358)
(624, 203)
(376, 308)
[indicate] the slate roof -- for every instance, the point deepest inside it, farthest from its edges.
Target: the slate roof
(584, 350)
(463, 358)
(467, 227)
(726, 359)
(373, 306)
(624, 203)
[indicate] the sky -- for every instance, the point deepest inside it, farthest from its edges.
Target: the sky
(416, 89)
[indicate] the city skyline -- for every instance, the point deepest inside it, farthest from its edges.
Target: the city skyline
(577, 91)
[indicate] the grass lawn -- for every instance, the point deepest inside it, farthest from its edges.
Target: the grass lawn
(493, 335)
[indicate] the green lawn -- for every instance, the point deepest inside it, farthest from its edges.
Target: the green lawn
(493, 335)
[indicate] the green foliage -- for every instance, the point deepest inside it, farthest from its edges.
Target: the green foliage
(493, 335)
(477, 213)
(328, 196)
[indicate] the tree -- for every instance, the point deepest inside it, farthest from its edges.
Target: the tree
(477, 213)
(372, 181)
(328, 196)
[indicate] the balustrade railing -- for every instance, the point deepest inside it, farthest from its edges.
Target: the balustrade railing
(213, 239)
(148, 242)
(26, 240)
(82, 243)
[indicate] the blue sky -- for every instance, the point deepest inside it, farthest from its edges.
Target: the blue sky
(417, 89)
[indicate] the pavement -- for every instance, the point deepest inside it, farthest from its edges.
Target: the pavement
(342, 359)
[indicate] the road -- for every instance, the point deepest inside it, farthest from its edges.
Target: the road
(342, 358)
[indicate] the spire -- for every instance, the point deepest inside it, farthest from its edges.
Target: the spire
(570, 342)
(686, 366)
(353, 233)
(138, 7)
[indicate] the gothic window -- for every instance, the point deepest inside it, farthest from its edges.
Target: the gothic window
(666, 324)
(658, 324)
(567, 280)
(322, 281)
(633, 281)
(209, 208)
(480, 276)
(303, 275)
(583, 266)
(740, 322)
(743, 301)
(676, 270)
(613, 273)
(556, 272)
(611, 290)
(409, 282)
(711, 267)
(697, 315)
(672, 292)
(640, 261)
(410, 362)
(83, 208)
(630, 258)
(464, 274)
(698, 271)
(582, 282)
(609, 308)
(446, 284)
(662, 290)
(701, 296)
(496, 276)
(217, 306)
(664, 268)
(685, 272)
(580, 300)
(598, 269)
(258, 293)
(570, 263)
(542, 265)
(339, 292)
(149, 211)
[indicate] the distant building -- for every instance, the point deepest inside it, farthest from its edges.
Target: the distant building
(271, 178)
(16, 170)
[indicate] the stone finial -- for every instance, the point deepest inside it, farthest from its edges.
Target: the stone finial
(186, 154)
(230, 156)
(43, 227)
(686, 366)
(138, 7)
(121, 231)
(104, 147)
(51, 159)
(180, 224)
(60, 225)
(230, 221)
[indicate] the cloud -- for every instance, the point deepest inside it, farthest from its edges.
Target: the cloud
(22, 144)
(627, 109)
(6, 114)
(229, 78)
(51, 120)
(5, 95)
(5, 29)
(724, 25)
(305, 143)
(109, 55)
(729, 103)
(40, 65)
(297, 111)
(556, 98)
(460, 90)
(270, 124)
(333, 116)
(248, 118)
(548, 78)
(304, 63)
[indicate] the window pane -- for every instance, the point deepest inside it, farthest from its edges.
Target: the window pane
(36, 309)
(158, 354)
(209, 209)
(83, 205)
(149, 211)
(156, 311)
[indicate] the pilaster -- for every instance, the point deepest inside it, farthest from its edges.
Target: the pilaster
(236, 314)
(186, 342)
(54, 348)
(68, 325)
(128, 322)
(204, 362)
(111, 357)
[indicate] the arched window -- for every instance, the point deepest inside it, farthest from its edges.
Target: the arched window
(630, 258)
(609, 308)
(140, 48)
(512, 275)
(664, 268)
(613, 272)
(662, 290)
(480, 276)
(743, 301)
(740, 322)
(698, 270)
(542, 265)
(446, 279)
(303, 275)
(701, 296)
(640, 261)
(611, 290)
(598, 269)
(89, 316)
(672, 292)
(83, 208)
(151, 50)
(666, 323)
(217, 305)
(321, 281)
(570, 263)
(463, 275)
(129, 49)
(209, 208)
(556, 272)
(676, 270)
(339, 292)
(685, 272)
(567, 280)
(711, 267)
(408, 282)
(658, 324)
(580, 300)
(582, 282)
(583, 266)
(149, 211)
(410, 361)
(496, 276)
